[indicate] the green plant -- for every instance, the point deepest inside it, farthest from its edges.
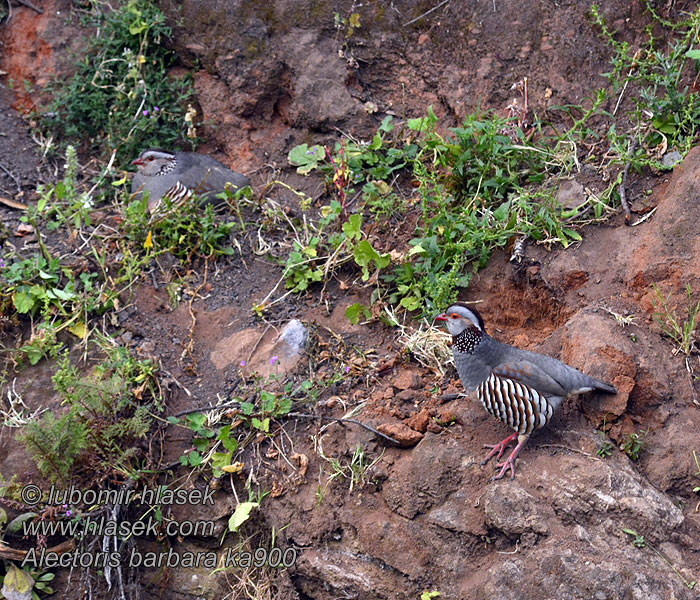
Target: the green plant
(605, 446)
(681, 329)
(634, 444)
(107, 411)
(18, 583)
(121, 97)
(666, 110)
(640, 542)
(477, 189)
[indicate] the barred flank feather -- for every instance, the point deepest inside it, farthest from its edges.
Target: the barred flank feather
(177, 194)
(517, 405)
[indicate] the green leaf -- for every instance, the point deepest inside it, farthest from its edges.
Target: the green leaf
(694, 54)
(387, 125)
(268, 401)
(352, 228)
(137, 27)
(23, 302)
(17, 584)
(241, 515)
(410, 303)
(376, 143)
(194, 458)
(306, 159)
(354, 311)
(15, 526)
(220, 460)
(196, 420)
(501, 213)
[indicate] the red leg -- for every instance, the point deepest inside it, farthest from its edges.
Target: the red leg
(498, 448)
(509, 463)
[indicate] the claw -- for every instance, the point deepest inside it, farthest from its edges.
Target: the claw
(498, 448)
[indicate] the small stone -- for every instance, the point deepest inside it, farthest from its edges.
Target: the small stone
(388, 393)
(406, 396)
(671, 159)
(407, 379)
(147, 347)
(423, 39)
(445, 416)
(434, 427)
(403, 434)
(419, 421)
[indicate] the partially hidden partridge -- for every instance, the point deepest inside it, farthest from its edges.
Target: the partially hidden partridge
(178, 175)
(520, 388)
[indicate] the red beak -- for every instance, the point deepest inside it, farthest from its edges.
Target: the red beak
(442, 317)
(137, 161)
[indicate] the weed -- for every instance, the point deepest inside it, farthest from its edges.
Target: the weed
(356, 470)
(681, 329)
(605, 446)
(640, 542)
(634, 444)
(120, 97)
(107, 411)
(18, 583)
(666, 110)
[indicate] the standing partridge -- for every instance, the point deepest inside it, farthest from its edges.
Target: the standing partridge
(179, 174)
(520, 388)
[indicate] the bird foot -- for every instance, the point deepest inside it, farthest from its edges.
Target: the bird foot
(498, 448)
(509, 463)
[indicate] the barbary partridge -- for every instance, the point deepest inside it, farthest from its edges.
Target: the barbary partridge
(180, 174)
(520, 388)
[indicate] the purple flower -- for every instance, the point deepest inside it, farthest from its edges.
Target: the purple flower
(274, 360)
(243, 363)
(68, 513)
(145, 113)
(2, 263)
(347, 369)
(156, 109)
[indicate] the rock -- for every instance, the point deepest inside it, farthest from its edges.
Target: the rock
(571, 194)
(458, 513)
(511, 509)
(270, 353)
(407, 396)
(403, 434)
(295, 336)
(671, 159)
(419, 421)
(424, 477)
(407, 380)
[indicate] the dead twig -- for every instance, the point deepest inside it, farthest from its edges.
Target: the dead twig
(30, 5)
(562, 447)
(343, 420)
(13, 176)
(623, 184)
(426, 13)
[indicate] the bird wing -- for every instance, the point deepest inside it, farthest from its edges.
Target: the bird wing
(530, 375)
(212, 178)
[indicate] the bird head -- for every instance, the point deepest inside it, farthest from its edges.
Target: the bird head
(460, 317)
(153, 161)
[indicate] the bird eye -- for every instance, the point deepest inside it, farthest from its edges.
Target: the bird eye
(454, 316)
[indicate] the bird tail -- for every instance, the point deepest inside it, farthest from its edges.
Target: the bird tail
(604, 387)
